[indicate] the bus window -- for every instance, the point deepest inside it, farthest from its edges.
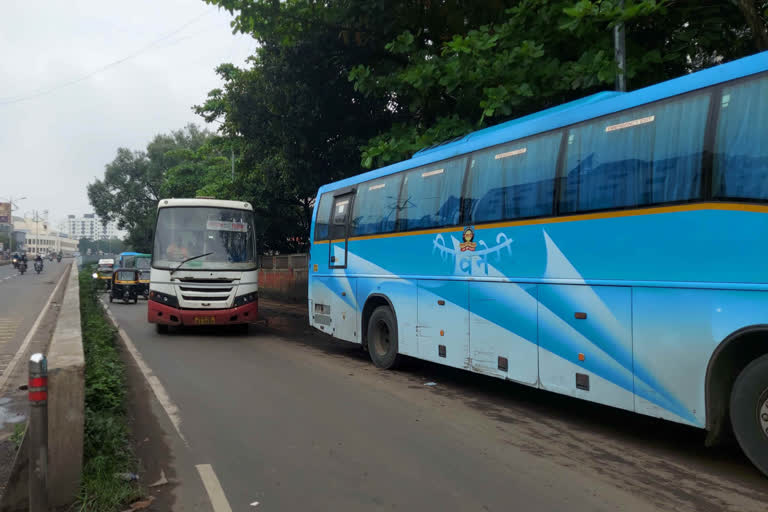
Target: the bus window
(431, 195)
(323, 212)
(375, 208)
(513, 181)
(741, 144)
(646, 155)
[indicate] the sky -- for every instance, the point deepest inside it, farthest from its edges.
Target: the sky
(64, 110)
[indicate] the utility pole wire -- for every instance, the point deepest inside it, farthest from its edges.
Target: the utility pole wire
(44, 92)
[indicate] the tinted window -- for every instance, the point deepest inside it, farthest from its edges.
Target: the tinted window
(323, 212)
(375, 207)
(512, 181)
(648, 155)
(431, 195)
(741, 143)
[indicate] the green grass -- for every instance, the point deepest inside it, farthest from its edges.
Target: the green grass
(18, 434)
(107, 449)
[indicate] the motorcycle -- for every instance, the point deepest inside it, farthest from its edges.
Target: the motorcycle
(22, 267)
(58, 258)
(38, 266)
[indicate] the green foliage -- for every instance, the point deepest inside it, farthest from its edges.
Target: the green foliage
(107, 452)
(343, 84)
(18, 434)
(174, 164)
(113, 245)
(539, 54)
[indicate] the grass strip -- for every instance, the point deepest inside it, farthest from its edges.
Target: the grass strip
(107, 452)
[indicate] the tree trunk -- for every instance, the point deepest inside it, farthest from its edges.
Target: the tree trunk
(755, 22)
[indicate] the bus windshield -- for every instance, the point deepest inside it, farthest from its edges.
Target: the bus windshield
(186, 232)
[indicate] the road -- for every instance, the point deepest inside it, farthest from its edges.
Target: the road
(295, 421)
(21, 299)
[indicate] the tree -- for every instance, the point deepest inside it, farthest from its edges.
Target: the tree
(540, 54)
(135, 181)
(297, 119)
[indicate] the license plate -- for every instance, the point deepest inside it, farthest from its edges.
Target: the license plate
(205, 320)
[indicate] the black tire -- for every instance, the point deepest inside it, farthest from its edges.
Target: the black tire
(749, 412)
(382, 338)
(110, 298)
(161, 328)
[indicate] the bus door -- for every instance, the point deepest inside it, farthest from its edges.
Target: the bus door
(339, 231)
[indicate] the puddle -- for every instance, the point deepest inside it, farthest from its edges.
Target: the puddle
(8, 416)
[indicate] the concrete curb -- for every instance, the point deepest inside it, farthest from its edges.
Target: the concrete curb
(66, 399)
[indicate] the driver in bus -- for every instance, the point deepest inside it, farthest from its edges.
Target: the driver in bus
(177, 251)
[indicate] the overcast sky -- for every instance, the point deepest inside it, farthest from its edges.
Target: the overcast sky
(55, 143)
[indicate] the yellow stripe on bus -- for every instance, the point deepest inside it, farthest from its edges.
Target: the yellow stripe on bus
(573, 218)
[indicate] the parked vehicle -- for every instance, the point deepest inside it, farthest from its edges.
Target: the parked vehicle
(125, 285)
(104, 272)
(204, 269)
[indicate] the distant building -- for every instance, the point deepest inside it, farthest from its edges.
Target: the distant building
(39, 238)
(91, 227)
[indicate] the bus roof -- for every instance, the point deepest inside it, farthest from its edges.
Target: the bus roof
(210, 203)
(583, 109)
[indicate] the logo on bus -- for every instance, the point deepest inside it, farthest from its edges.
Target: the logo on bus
(470, 256)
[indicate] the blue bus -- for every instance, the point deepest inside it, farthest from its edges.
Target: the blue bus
(614, 249)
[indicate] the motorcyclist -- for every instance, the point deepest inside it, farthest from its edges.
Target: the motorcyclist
(39, 259)
(23, 262)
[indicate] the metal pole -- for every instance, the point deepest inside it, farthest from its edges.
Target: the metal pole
(38, 433)
(620, 52)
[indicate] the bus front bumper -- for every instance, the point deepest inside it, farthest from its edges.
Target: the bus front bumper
(161, 314)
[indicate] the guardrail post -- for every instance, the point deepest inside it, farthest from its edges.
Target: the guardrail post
(38, 433)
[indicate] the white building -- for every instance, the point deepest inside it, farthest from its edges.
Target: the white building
(91, 227)
(40, 238)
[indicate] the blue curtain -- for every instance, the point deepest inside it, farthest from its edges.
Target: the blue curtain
(741, 144)
(375, 209)
(431, 195)
(647, 155)
(514, 180)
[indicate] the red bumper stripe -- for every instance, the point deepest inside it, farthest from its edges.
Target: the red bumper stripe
(161, 314)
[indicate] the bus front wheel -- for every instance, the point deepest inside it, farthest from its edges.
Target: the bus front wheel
(382, 338)
(749, 412)
(161, 328)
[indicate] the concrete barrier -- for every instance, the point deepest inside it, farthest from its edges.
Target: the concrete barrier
(66, 399)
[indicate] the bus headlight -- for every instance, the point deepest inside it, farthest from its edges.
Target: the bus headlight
(242, 300)
(164, 298)
(95, 275)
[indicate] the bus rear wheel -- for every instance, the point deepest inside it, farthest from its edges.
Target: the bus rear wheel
(382, 338)
(749, 412)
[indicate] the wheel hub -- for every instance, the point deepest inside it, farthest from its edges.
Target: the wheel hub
(762, 412)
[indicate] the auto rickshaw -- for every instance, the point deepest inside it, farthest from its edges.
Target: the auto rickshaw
(104, 272)
(125, 285)
(144, 282)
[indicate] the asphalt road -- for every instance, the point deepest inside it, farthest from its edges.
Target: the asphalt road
(295, 421)
(21, 299)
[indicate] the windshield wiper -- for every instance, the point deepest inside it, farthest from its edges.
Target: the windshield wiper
(190, 259)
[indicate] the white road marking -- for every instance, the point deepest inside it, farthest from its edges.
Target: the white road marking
(24, 344)
(213, 488)
(161, 394)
